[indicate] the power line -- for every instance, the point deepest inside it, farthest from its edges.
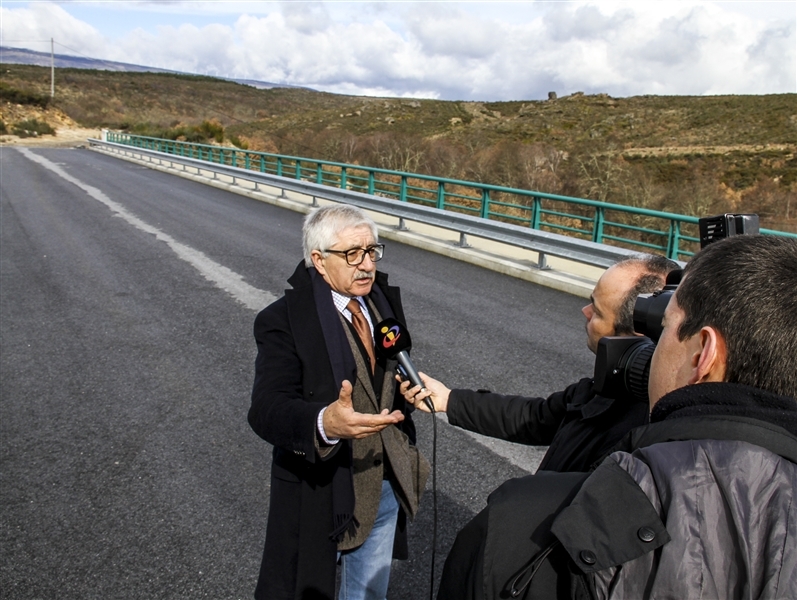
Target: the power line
(76, 51)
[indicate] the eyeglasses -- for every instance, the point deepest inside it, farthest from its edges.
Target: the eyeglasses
(356, 256)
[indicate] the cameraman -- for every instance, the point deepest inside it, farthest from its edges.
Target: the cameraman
(700, 503)
(579, 426)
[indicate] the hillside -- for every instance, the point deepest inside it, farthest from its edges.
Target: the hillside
(693, 155)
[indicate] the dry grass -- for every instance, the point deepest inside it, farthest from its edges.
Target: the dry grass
(675, 153)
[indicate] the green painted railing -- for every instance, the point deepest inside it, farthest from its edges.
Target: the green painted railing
(675, 236)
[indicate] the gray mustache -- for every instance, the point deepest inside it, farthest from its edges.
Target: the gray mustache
(363, 275)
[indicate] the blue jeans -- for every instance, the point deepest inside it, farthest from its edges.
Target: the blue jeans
(365, 571)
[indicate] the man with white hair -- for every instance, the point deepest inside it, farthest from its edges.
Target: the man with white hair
(345, 472)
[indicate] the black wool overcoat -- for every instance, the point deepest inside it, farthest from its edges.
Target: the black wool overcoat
(294, 380)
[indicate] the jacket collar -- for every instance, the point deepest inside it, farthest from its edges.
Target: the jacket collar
(688, 414)
(727, 399)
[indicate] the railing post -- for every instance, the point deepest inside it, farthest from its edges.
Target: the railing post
(343, 182)
(279, 166)
(597, 225)
(319, 174)
(403, 189)
(536, 212)
(298, 169)
(673, 239)
(262, 164)
(441, 195)
(485, 213)
(371, 182)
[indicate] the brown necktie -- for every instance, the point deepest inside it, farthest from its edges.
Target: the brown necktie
(363, 329)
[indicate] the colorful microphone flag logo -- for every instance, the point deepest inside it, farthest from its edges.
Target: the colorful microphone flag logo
(391, 336)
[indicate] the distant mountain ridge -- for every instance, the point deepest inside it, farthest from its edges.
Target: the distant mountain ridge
(22, 56)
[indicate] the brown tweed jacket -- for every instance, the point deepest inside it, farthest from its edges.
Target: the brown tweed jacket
(408, 466)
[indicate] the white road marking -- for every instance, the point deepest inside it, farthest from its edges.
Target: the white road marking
(221, 276)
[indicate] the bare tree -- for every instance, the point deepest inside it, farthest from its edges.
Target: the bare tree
(601, 174)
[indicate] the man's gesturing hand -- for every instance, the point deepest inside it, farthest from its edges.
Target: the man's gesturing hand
(342, 421)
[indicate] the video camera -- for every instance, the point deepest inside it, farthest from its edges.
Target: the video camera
(622, 363)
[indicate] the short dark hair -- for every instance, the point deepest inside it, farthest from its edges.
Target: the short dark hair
(745, 287)
(654, 271)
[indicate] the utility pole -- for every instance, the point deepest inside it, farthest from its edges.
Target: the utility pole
(52, 68)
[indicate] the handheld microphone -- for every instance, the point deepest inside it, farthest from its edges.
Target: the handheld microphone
(393, 341)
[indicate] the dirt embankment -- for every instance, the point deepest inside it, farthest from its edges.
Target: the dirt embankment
(67, 133)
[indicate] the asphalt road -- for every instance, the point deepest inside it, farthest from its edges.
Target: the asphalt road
(127, 297)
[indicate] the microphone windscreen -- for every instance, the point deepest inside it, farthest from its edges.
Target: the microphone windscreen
(391, 337)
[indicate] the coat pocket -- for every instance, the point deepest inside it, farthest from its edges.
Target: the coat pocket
(285, 468)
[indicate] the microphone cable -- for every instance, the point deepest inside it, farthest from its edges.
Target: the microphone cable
(433, 412)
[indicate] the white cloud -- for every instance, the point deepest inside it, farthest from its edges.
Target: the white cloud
(481, 50)
(208, 50)
(773, 58)
(446, 32)
(307, 18)
(34, 26)
(586, 22)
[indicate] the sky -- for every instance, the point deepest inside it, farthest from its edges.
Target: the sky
(482, 51)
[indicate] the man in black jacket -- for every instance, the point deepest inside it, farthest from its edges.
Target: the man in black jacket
(345, 472)
(577, 425)
(700, 503)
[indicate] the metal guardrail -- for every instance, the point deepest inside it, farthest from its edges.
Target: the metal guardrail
(542, 242)
(673, 235)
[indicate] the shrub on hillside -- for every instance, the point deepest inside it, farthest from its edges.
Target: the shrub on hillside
(15, 96)
(212, 129)
(238, 142)
(31, 128)
(197, 134)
